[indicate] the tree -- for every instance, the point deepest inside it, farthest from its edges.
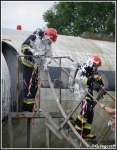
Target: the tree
(74, 18)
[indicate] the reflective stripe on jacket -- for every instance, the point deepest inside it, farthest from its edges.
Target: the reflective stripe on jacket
(27, 64)
(29, 101)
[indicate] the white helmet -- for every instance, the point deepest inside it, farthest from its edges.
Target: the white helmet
(39, 32)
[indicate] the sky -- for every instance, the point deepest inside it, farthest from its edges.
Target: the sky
(28, 14)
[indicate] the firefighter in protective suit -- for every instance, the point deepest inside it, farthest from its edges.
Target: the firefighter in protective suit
(39, 45)
(86, 75)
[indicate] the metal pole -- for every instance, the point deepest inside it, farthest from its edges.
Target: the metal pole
(10, 131)
(104, 135)
(38, 107)
(29, 133)
(64, 57)
(60, 79)
(17, 90)
(48, 136)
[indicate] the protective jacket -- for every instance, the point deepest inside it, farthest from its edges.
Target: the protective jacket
(36, 44)
(84, 74)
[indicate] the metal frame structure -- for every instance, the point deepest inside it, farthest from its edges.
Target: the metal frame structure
(51, 125)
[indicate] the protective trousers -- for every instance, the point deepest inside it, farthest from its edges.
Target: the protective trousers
(29, 94)
(88, 116)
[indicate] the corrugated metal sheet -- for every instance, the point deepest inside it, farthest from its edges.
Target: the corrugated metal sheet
(79, 49)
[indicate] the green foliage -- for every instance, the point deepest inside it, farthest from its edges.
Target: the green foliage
(74, 18)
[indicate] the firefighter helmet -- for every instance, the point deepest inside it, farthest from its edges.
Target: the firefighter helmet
(51, 33)
(96, 60)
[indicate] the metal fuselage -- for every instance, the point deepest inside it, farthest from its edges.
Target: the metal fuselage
(78, 49)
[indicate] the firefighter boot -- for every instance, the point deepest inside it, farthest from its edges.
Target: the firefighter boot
(89, 136)
(87, 133)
